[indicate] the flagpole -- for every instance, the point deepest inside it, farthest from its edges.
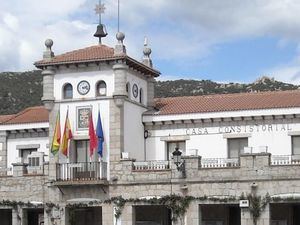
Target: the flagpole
(100, 158)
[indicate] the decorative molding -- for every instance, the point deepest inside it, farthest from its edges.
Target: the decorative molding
(30, 146)
(237, 135)
(294, 133)
(175, 138)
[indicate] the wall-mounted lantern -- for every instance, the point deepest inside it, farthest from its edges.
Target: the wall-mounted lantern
(178, 161)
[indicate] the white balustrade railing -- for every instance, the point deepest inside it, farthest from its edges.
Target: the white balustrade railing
(285, 160)
(81, 171)
(151, 165)
(219, 162)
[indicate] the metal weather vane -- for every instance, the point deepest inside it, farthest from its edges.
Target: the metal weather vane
(101, 31)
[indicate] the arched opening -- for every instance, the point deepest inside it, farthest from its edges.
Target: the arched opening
(101, 89)
(68, 91)
(141, 96)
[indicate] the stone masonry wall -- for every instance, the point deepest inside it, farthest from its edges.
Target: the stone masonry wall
(26, 188)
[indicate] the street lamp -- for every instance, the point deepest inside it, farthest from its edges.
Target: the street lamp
(178, 161)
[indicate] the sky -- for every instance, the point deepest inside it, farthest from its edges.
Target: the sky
(220, 40)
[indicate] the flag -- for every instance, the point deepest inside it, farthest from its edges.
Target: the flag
(100, 136)
(56, 136)
(92, 134)
(66, 136)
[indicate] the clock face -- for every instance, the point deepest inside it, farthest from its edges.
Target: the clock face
(83, 87)
(135, 90)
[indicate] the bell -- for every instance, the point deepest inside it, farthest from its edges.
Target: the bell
(101, 31)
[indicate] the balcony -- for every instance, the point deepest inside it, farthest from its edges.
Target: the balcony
(151, 166)
(219, 162)
(81, 172)
(281, 160)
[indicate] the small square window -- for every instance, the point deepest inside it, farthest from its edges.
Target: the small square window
(236, 147)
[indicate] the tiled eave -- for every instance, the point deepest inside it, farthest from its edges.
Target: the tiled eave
(33, 130)
(220, 119)
(136, 65)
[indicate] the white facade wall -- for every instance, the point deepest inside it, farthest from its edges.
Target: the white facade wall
(13, 153)
(134, 131)
(210, 139)
(93, 77)
(141, 83)
(99, 105)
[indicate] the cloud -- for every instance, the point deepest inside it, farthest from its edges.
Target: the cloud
(178, 30)
(289, 72)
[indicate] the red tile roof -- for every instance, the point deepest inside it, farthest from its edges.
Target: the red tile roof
(228, 102)
(92, 53)
(35, 114)
(184, 105)
(95, 53)
(4, 118)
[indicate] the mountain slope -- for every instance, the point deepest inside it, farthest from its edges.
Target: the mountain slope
(21, 90)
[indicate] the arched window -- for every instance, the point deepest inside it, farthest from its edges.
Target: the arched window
(101, 88)
(68, 91)
(141, 96)
(128, 89)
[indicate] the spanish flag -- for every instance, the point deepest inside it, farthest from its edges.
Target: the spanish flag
(56, 136)
(66, 136)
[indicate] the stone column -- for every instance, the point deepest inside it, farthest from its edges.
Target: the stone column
(19, 169)
(255, 160)
(192, 214)
(107, 215)
(128, 215)
(48, 101)
(246, 218)
(48, 87)
(117, 115)
(17, 216)
(3, 149)
(265, 216)
(150, 92)
(120, 72)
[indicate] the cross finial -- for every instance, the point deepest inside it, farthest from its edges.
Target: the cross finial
(100, 9)
(145, 41)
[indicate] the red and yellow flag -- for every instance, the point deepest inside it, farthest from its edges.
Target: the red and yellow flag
(56, 136)
(66, 136)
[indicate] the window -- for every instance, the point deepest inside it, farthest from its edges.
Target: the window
(236, 146)
(24, 153)
(141, 95)
(128, 89)
(68, 91)
(101, 88)
(34, 161)
(296, 145)
(82, 150)
(171, 148)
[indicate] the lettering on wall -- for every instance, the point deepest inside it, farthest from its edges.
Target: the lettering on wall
(239, 129)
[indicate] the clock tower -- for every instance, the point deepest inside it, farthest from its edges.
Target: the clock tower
(98, 80)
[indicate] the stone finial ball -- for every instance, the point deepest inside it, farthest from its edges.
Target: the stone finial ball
(120, 36)
(49, 43)
(147, 51)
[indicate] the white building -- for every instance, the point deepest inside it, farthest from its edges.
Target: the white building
(235, 147)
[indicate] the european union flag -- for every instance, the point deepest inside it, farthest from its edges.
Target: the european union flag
(100, 136)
